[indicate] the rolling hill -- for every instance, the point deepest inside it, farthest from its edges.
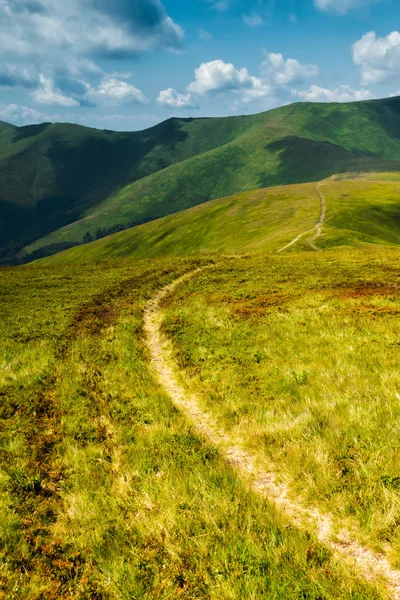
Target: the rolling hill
(359, 212)
(62, 184)
(210, 417)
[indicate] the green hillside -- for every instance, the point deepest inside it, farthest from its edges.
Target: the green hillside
(359, 212)
(52, 174)
(60, 184)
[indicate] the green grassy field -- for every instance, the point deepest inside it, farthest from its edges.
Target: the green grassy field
(297, 356)
(286, 335)
(60, 182)
(361, 211)
(258, 221)
(106, 492)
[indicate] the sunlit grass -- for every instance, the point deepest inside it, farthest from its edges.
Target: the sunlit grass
(106, 490)
(299, 358)
(360, 212)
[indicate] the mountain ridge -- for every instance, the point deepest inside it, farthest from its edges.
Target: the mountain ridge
(62, 182)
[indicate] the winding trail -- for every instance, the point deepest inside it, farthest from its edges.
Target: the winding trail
(317, 228)
(293, 242)
(372, 566)
(321, 220)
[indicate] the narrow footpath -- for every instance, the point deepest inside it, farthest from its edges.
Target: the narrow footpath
(321, 220)
(317, 228)
(372, 566)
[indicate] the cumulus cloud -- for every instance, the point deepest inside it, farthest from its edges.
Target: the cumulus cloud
(342, 94)
(12, 75)
(86, 27)
(114, 92)
(47, 94)
(69, 92)
(342, 6)
(282, 71)
(19, 114)
(36, 36)
(174, 99)
(253, 20)
(377, 57)
(217, 76)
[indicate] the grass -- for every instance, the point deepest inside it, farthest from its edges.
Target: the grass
(361, 212)
(258, 221)
(50, 174)
(105, 490)
(297, 355)
(62, 182)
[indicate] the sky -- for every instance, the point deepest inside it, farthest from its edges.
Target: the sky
(130, 64)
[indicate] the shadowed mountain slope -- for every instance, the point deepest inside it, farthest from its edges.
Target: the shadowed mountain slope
(61, 184)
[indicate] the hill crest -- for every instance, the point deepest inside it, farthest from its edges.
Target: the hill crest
(60, 183)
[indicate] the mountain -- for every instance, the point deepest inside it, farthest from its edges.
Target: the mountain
(62, 184)
(362, 211)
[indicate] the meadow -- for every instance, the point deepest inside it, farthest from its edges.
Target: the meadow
(106, 490)
(361, 211)
(297, 357)
(285, 331)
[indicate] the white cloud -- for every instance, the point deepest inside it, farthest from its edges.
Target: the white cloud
(253, 20)
(282, 71)
(218, 76)
(256, 91)
(174, 99)
(342, 6)
(342, 94)
(36, 36)
(110, 92)
(378, 58)
(114, 92)
(47, 94)
(20, 114)
(86, 27)
(12, 75)
(395, 94)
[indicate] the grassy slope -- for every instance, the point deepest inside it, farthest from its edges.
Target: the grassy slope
(105, 490)
(51, 173)
(251, 222)
(298, 356)
(189, 162)
(359, 212)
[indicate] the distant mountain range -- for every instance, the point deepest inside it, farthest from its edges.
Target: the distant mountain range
(62, 185)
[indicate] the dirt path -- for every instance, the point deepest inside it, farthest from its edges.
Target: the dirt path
(317, 228)
(321, 220)
(370, 565)
(293, 242)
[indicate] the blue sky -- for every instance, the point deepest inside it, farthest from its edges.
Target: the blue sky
(129, 64)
